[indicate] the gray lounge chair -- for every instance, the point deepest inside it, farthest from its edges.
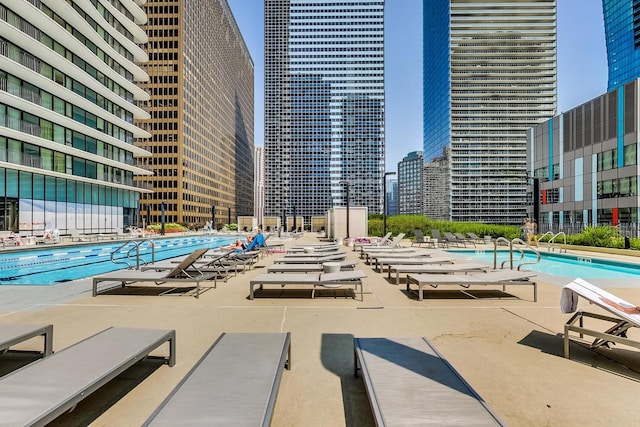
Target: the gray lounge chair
(311, 259)
(14, 333)
(307, 268)
(315, 280)
(502, 277)
(380, 263)
(419, 238)
(180, 273)
(410, 383)
(235, 383)
(38, 393)
(447, 268)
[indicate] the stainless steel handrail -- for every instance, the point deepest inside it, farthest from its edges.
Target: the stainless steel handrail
(560, 233)
(136, 248)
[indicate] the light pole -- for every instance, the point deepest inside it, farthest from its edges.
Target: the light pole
(346, 184)
(384, 202)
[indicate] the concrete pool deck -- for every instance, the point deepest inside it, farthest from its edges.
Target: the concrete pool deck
(509, 348)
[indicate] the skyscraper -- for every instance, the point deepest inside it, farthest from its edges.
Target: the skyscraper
(324, 105)
(68, 100)
(489, 75)
(410, 184)
(201, 86)
(622, 36)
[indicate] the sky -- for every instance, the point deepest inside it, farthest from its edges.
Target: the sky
(582, 64)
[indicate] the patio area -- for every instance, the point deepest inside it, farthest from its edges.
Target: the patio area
(507, 347)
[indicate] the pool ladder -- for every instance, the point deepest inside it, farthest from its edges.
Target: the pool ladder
(521, 247)
(135, 249)
(551, 241)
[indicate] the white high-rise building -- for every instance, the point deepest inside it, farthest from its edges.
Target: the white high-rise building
(489, 76)
(324, 105)
(258, 191)
(68, 101)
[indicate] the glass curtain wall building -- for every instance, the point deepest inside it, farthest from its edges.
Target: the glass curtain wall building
(410, 184)
(201, 86)
(324, 105)
(68, 100)
(622, 36)
(489, 75)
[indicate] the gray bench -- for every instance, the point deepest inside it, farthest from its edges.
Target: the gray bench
(409, 383)
(14, 333)
(235, 383)
(42, 391)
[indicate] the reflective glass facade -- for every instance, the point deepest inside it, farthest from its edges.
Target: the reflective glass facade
(68, 100)
(201, 86)
(324, 105)
(622, 34)
(410, 184)
(501, 80)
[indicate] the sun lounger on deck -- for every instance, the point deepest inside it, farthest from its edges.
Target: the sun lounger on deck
(38, 393)
(307, 268)
(315, 280)
(622, 321)
(409, 382)
(462, 267)
(311, 259)
(502, 278)
(378, 242)
(181, 273)
(380, 263)
(235, 383)
(14, 333)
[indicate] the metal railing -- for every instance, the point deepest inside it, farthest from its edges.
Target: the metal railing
(521, 247)
(134, 250)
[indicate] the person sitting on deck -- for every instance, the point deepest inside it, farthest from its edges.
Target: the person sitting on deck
(256, 243)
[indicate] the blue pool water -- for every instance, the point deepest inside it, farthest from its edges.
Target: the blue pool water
(563, 264)
(62, 264)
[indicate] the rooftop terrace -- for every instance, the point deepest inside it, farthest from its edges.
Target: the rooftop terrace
(507, 347)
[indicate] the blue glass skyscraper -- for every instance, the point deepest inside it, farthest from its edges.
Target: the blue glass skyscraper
(622, 35)
(489, 75)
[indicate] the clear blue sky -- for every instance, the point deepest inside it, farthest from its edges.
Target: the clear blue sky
(582, 64)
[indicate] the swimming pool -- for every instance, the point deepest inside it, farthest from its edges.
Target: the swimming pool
(62, 264)
(562, 264)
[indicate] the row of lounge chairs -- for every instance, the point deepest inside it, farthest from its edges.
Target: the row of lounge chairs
(235, 382)
(445, 239)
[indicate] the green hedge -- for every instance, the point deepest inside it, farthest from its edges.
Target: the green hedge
(600, 236)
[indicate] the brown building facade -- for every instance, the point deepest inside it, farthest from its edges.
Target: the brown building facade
(201, 107)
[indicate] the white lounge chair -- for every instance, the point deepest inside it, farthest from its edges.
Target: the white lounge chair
(311, 259)
(624, 316)
(502, 278)
(314, 280)
(307, 268)
(380, 242)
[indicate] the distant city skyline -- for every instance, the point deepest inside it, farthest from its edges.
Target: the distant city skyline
(582, 64)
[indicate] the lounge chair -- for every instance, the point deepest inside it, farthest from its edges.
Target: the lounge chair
(380, 263)
(464, 239)
(315, 280)
(437, 268)
(77, 237)
(38, 393)
(409, 382)
(502, 278)
(419, 238)
(475, 238)
(380, 242)
(180, 273)
(621, 319)
(222, 264)
(14, 333)
(234, 383)
(437, 238)
(307, 268)
(453, 240)
(340, 256)
(370, 257)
